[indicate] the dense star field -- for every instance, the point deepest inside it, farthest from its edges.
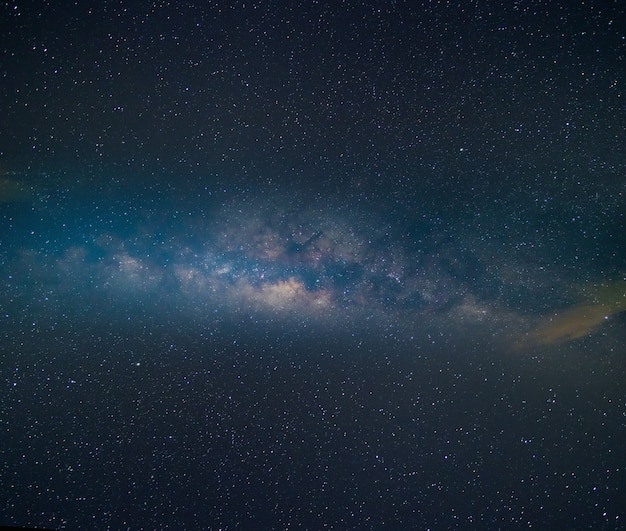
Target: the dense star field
(270, 265)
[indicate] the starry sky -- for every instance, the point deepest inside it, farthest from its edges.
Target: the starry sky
(269, 265)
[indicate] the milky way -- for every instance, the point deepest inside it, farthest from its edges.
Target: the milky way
(296, 260)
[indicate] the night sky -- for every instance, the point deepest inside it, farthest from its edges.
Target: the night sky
(348, 265)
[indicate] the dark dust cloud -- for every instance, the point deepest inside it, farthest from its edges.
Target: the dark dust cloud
(269, 265)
